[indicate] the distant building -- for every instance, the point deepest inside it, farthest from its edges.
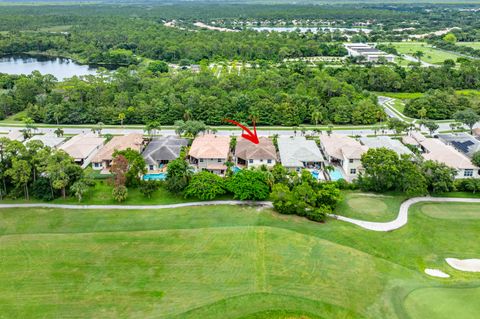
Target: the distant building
(161, 150)
(254, 155)
(386, 142)
(210, 152)
(297, 153)
(463, 142)
(370, 53)
(103, 159)
(343, 151)
(83, 148)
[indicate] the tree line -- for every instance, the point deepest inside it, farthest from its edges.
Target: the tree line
(290, 95)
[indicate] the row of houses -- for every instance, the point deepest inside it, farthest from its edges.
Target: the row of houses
(336, 156)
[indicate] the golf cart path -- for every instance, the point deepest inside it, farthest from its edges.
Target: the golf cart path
(397, 223)
(402, 217)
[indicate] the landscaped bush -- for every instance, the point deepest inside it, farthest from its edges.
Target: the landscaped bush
(249, 184)
(205, 186)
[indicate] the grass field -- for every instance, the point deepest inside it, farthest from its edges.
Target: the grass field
(431, 55)
(368, 207)
(229, 262)
(475, 45)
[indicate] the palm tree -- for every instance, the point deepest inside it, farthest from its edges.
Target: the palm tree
(121, 117)
(316, 117)
(187, 115)
(58, 132)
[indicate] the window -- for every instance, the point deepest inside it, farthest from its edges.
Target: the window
(350, 160)
(353, 171)
(96, 164)
(151, 167)
(219, 160)
(250, 161)
(261, 161)
(468, 173)
(201, 160)
(269, 161)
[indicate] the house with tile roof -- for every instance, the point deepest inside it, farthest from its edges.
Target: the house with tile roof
(161, 150)
(343, 151)
(254, 155)
(435, 150)
(386, 142)
(49, 140)
(297, 153)
(103, 159)
(462, 142)
(83, 148)
(15, 135)
(210, 152)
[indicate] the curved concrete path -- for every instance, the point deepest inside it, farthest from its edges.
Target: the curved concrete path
(131, 207)
(398, 222)
(402, 217)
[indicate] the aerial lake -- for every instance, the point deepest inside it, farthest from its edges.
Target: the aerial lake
(60, 68)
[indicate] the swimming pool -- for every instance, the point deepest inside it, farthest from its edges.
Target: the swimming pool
(155, 177)
(336, 174)
(236, 169)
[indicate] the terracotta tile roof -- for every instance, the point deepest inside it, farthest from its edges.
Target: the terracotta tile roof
(263, 150)
(133, 141)
(210, 146)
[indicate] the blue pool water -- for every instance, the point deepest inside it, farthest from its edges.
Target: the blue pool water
(155, 177)
(236, 169)
(336, 175)
(315, 174)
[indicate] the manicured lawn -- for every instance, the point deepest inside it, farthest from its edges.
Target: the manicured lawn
(225, 262)
(451, 211)
(444, 303)
(431, 55)
(475, 45)
(369, 206)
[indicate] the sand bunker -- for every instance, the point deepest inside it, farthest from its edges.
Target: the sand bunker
(436, 273)
(471, 265)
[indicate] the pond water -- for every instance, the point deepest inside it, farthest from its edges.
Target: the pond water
(312, 29)
(60, 68)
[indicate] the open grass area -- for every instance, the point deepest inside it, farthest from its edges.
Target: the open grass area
(369, 206)
(431, 55)
(444, 303)
(451, 211)
(475, 45)
(227, 262)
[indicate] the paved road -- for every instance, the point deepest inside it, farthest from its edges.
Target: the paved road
(120, 131)
(423, 63)
(402, 217)
(139, 207)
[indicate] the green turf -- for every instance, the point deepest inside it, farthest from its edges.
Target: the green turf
(431, 55)
(451, 211)
(475, 45)
(219, 262)
(444, 303)
(369, 207)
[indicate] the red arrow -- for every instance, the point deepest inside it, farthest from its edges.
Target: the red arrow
(252, 137)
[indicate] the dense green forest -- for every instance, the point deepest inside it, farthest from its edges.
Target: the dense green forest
(280, 96)
(95, 33)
